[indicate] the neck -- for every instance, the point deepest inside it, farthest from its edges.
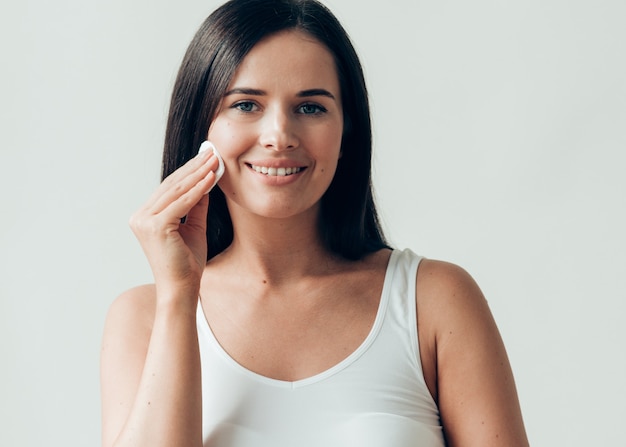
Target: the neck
(276, 249)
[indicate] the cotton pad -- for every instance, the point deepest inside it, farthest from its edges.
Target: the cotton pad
(207, 145)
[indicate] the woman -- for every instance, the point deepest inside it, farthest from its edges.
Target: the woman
(279, 316)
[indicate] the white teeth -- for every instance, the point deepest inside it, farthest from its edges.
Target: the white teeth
(279, 172)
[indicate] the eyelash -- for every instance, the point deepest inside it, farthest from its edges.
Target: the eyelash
(248, 107)
(318, 108)
(239, 106)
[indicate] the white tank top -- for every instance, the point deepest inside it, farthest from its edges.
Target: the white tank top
(376, 397)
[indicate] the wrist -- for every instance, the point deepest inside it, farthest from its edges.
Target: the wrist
(181, 299)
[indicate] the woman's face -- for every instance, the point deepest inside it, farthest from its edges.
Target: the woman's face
(279, 127)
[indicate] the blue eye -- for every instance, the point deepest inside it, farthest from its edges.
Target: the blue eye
(245, 106)
(311, 109)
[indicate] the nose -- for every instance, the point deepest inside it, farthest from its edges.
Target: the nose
(279, 130)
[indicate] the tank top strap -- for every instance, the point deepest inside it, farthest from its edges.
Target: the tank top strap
(401, 312)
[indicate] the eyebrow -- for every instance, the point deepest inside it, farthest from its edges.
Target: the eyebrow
(245, 91)
(303, 94)
(315, 92)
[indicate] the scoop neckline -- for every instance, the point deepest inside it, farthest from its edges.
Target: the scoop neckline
(351, 358)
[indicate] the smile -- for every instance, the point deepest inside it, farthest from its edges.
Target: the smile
(275, 172)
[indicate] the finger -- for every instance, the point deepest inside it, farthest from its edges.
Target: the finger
(183, 180)
(182, 205)
(197, 214)
(188, 174)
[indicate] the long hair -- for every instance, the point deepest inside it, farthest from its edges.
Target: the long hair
(348, 222)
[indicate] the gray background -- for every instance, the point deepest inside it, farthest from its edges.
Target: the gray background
(500, 130)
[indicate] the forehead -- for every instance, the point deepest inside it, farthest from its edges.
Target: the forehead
(288, 60)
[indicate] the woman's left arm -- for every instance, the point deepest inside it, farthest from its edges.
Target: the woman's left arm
(475, 389)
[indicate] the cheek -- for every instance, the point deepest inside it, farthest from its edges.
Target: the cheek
(330, 139)
(228, 137)
(328, 145)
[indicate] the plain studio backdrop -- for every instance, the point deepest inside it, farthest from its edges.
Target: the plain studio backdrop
(500, 134)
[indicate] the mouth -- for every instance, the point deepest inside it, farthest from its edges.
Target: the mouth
(271, 171)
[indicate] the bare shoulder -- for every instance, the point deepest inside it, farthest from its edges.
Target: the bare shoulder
(447, 280)
(135, 306)
(449, 304)
(453, 313)
(449, 294)
(137, 296)
(466, 359)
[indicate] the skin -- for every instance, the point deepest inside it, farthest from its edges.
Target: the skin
(299, 309)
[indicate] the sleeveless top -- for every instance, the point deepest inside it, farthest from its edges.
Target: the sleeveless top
(376, 397)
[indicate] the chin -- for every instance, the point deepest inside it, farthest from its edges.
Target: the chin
(274, 209)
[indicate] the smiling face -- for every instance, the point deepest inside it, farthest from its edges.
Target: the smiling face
(279, 127)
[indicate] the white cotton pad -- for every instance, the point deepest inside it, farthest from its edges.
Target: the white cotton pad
(207, 145)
